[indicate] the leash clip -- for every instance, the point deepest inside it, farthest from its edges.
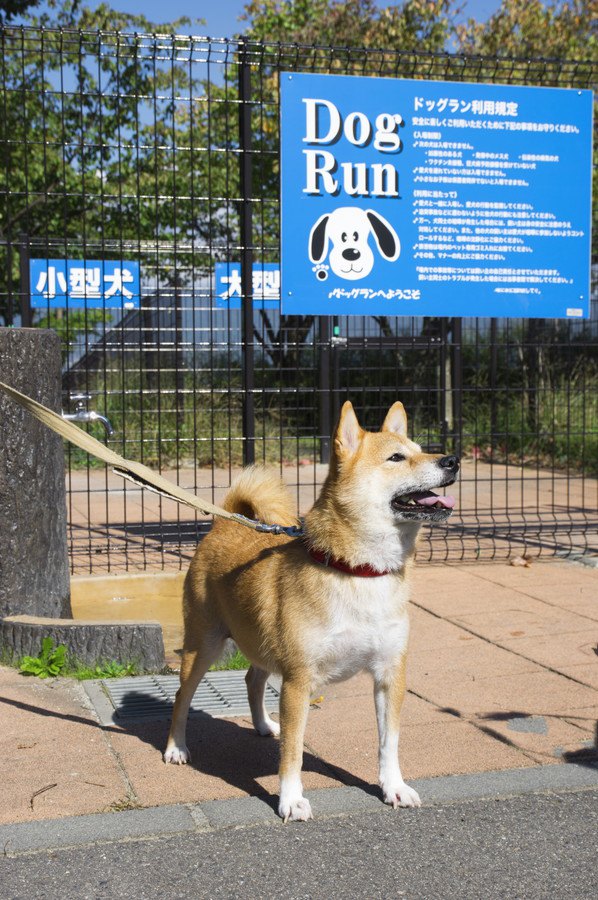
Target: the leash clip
(289, 530)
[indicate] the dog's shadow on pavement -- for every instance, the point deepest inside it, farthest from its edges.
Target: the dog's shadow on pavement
(232, 751)
(227, 749)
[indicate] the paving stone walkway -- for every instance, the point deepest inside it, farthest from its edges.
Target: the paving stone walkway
(503, 675)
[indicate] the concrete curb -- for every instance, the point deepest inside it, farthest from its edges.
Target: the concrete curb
(75, 831)
(213, 815)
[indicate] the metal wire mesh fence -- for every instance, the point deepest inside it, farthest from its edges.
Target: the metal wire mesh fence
(161, 152)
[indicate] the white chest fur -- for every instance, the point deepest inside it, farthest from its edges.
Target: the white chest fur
(367, 627)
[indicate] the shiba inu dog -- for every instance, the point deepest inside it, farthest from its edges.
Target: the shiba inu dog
(321, 608)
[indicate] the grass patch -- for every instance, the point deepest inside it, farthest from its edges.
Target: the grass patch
(236, 661)
(542, 408)
(558, 431)
(82, 672)
(170, 426)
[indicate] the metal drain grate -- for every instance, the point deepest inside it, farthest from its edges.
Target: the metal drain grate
(152, 696)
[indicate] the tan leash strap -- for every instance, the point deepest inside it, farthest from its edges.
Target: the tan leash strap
(133, 471)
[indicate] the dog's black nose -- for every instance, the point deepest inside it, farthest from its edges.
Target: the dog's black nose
(351, 253)
(449, 462)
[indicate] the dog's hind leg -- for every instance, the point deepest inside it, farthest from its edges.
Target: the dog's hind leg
(194, 665)
(256, 687)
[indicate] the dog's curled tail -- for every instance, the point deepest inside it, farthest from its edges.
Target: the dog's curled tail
(260, 493)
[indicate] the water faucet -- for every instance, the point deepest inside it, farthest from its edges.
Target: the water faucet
(82, 414)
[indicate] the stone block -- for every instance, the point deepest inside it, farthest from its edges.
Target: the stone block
(89, 642)
(34, 566)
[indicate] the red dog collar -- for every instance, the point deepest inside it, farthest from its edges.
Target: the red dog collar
(325, 559)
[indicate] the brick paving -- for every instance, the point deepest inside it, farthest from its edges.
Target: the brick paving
(503, 674)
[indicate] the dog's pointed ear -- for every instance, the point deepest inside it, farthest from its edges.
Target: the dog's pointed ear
(396, 420)
(318, 240)
(349, 432)
(386, 237)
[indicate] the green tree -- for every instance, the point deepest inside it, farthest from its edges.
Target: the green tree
(10, 9)
(530, 28)
(412, 25)
(79, 145)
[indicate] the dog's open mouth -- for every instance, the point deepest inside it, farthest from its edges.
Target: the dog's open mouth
(423, 505)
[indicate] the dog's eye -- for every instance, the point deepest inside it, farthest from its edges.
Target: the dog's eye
(355, 236)
(344, 237)
(396, 457)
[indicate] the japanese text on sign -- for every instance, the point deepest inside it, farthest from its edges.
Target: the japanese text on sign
(84, 283)
(265, 285)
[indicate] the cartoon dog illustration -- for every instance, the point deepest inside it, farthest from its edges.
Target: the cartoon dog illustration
(347, 229)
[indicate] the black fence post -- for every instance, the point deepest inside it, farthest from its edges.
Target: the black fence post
(445, 405)
(246, 184)
(179, 359)
(457, 385)
(25, 285)
(336, 372)
(324, 387)
(493, 385)
(10, 300)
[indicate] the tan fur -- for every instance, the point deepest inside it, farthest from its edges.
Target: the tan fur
(295, 617)
(259, 494)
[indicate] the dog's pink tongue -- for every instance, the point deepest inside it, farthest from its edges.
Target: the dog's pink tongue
(427, 498)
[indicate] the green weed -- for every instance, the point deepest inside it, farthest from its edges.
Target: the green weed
(53, 661)
(50, 662)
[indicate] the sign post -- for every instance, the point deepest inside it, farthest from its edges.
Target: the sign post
(246, 184)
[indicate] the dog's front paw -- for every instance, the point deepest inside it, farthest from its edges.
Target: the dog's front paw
(400, 794)
(178, 756)
(298, 810)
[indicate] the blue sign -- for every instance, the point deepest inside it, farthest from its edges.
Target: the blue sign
(427, 198)
(266, 285)
(84, 283)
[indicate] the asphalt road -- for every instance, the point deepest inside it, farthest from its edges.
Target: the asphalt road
(531, 846)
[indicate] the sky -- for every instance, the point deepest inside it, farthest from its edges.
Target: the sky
(221, 17)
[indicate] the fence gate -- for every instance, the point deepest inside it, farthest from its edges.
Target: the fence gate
(155, 158)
